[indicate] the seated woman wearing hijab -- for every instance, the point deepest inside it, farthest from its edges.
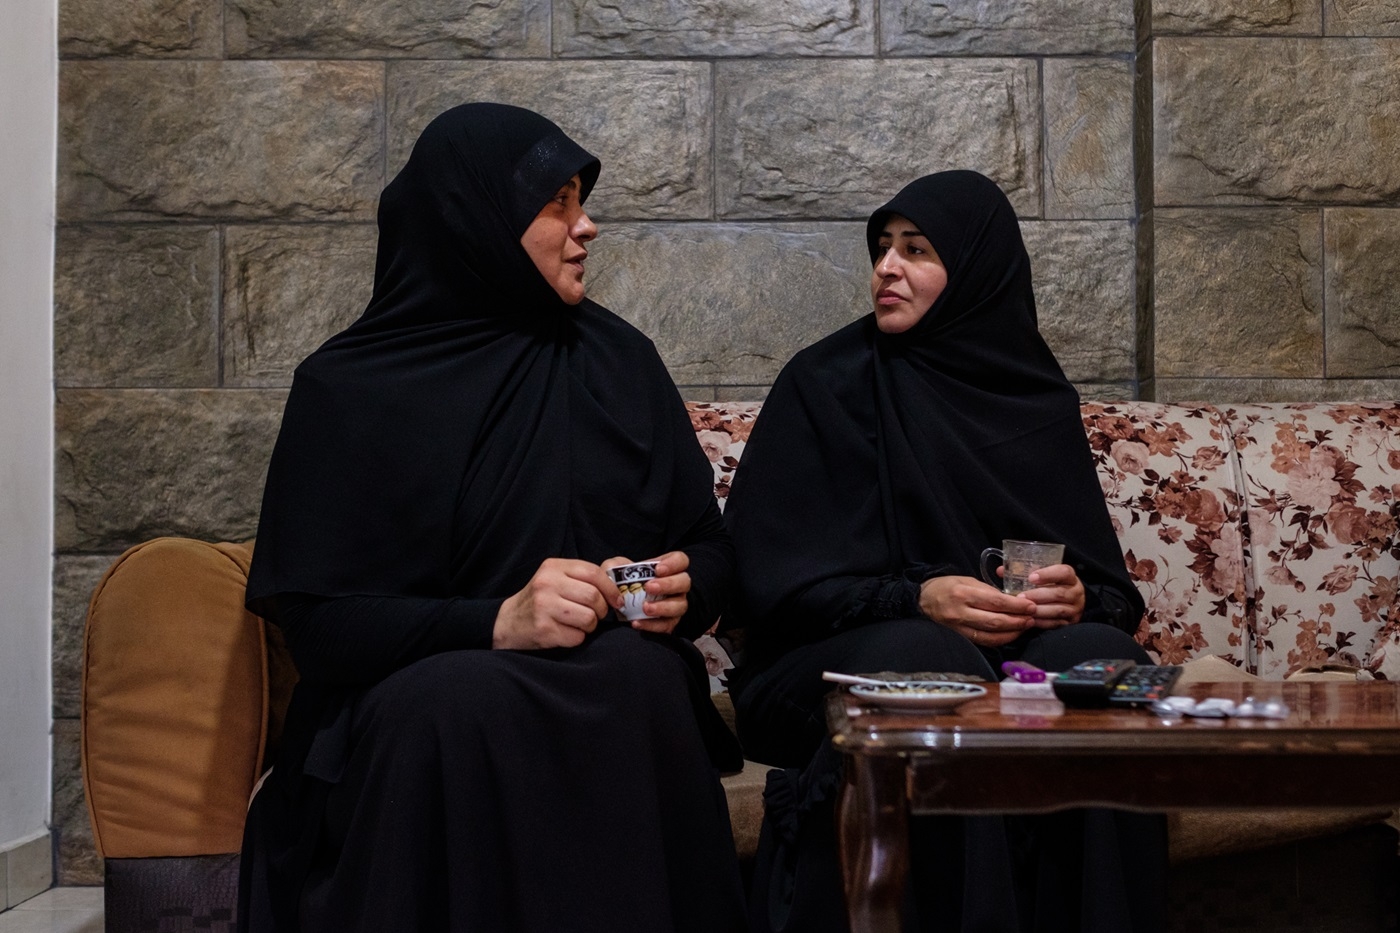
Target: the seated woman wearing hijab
(887, 457)
(476, 742)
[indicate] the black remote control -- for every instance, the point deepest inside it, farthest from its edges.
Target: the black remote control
(1118, 681)
(1145, 683)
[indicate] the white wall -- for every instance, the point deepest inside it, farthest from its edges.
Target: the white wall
(28, 120)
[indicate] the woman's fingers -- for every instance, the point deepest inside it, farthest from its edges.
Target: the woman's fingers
(672, 562)
(1058, 595)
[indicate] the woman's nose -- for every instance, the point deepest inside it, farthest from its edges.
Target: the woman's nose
(887, 265)
(585, 229)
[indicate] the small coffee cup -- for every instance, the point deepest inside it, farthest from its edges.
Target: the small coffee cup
(1019, 560)
(631, 579)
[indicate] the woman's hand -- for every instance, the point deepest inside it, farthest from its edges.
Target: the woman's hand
(981, 613)
(1058, 596)
(667, 590)
(561, 604)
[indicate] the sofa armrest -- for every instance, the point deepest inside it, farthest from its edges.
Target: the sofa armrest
(175, 701)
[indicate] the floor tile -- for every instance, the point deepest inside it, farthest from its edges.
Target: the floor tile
(75, 898)
(57, 910)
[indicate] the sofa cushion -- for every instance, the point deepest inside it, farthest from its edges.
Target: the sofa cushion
(1322, 485)
(175, 700)
(722, 428)
(1172, 494)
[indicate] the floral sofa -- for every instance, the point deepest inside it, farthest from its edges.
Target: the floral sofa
(1262, 535)
(1265, 535)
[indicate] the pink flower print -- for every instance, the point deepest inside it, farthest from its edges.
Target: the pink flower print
(1262, 533)
(1204, 510)
(739, 429)
(1312, 483)
(1339, 580)
(1164, 442)
(1349, 523)
(1226, 569)
(1289, 451)
(1115, 427)
(714, 443)
(1208, 458)
(1130, 456)
(704, 418)
(1281, 575)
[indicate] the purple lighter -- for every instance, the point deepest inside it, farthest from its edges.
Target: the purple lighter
(1023, 673)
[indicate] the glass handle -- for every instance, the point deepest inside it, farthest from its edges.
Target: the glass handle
(988, 573)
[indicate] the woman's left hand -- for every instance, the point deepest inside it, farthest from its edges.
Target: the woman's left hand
(667, 590)
(1058, 595)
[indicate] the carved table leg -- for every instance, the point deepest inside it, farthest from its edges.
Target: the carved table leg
(872, 818)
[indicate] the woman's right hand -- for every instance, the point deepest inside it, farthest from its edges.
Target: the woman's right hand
(981, 613)
(562, 603)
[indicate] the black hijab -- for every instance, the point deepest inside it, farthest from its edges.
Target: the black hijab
(886, 454)
(471, 424)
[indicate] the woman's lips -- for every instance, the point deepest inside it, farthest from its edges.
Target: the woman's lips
(887, 298)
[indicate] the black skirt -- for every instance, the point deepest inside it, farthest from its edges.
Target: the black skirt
(564, 790)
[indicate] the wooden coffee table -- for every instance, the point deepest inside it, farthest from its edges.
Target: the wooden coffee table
(1339, 747)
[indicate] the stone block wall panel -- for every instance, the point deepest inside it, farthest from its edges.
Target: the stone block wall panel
(133, 464)
(1237, 17)
(136, 306)
(401, 29)
(648, 122)
(1006, 27)
(286, 289)
(140, 28)
(219, 140)
(1258, 121)
(1362, 17)
(75, 853)
(74, 578)
(1238, 293)
(785, 286)
(1083, 278)
(838, 139)
(1363, 292)
(1088, 138)
(657, 28)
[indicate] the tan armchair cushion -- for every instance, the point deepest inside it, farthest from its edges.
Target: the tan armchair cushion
(175, 700)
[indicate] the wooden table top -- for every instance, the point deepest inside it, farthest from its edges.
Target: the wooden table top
(1338, 747)
(1324, 716)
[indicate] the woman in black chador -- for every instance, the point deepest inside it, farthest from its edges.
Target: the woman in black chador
(476, 743)
(887, 457)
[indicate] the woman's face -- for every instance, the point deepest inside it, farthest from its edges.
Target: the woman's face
(908, 276)
(555, 241)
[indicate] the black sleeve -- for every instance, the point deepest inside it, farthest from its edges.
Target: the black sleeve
(711, 554)
(837, 604)
(1108, 604)
(356, 640)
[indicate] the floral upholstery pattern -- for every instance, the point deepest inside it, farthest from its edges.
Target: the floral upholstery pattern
(1268, 535)
(1173, 499)
(1322, 484)
(723, 430)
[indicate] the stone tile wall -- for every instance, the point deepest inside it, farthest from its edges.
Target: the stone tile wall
(1270, 199)
(1208, 191)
